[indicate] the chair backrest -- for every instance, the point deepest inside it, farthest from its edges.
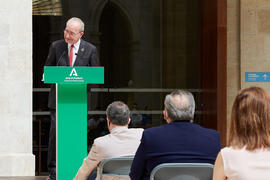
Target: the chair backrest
(117, 166)
(182, 171)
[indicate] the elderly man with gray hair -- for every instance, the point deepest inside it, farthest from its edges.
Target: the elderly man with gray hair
(179, 141)
(70, 51)
(120, 142)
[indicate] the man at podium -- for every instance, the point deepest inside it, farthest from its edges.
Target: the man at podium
(70, 51)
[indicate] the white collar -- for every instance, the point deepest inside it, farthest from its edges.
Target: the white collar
(76, 45)
(118, 128)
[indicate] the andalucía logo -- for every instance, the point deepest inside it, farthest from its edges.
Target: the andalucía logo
(73, 72)
(73, 77)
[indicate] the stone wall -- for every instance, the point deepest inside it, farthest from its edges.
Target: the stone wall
(16, 158)
(233, 52)
(248, 44)
(255, 39)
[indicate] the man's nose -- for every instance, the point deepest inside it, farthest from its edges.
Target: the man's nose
(66, 35)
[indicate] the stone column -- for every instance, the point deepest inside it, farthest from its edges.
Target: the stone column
(16, 158)
(254, 40)
(233, 53)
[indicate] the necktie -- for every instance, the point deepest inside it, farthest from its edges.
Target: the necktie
(71, 55)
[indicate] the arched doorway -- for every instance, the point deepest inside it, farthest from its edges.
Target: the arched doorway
(115, 51)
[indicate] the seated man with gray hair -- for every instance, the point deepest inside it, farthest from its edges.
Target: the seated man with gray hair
(179, 141)
(120, 142)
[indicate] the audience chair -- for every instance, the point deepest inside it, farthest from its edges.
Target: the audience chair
(118, 166)
(182, 171)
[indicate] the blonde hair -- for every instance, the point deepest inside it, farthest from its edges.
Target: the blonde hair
(250, 120)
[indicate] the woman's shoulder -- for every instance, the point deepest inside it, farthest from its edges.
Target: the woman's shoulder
(232, 152)
(228, 149)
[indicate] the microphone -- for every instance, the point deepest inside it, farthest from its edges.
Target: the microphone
(60, 58)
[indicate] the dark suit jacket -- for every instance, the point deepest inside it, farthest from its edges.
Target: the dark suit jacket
(58, 56)
(176, 142)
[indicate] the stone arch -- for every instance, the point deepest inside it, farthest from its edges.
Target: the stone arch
(96, 10)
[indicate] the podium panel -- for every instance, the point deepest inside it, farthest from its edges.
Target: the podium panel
(71, 114)
(71, 129)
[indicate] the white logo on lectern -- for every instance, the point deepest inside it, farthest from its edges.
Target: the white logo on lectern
(73, 77)
(73, 72)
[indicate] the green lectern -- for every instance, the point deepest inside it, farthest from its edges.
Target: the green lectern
(71, 114)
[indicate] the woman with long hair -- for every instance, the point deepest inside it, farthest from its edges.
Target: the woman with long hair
(247, 156)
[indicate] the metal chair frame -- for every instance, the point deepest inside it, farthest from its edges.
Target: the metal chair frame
(116, 166)
(182, 171)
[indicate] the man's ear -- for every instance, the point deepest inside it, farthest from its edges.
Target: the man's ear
(128, 121)
(108, 121)
(81, 33)
(165, 114)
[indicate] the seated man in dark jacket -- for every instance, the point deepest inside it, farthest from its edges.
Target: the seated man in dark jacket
(179, 141)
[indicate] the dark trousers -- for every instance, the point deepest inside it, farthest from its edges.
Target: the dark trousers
(52, 145)
(92, 176)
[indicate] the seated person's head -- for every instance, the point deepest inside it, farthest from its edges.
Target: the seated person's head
(179, 105)
(118, 114)
(250, 119)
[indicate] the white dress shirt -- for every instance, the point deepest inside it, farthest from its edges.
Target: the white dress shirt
(75, 50)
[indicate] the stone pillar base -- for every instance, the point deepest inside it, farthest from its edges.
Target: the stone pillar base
(17, 164)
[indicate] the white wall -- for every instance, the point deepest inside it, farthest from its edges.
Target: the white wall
(16, 158)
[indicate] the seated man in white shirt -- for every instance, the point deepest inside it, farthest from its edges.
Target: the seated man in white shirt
(120, 142)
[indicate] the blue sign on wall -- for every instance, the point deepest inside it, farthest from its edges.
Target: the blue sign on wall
(257, 76)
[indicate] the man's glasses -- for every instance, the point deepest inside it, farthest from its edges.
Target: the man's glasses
(70, 33)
